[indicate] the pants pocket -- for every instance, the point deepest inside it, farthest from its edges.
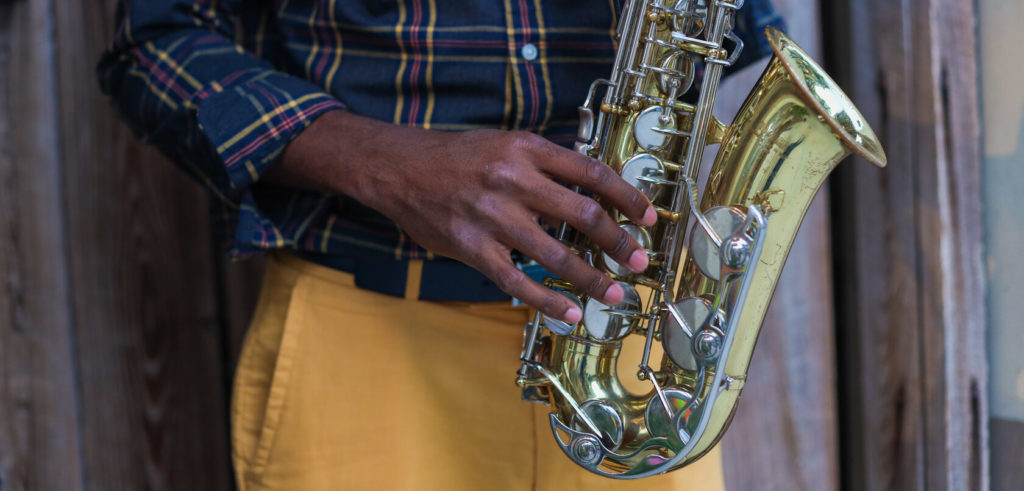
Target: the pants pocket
(262, 380)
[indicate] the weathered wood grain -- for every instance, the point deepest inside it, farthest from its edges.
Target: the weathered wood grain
(878, 316)
(960, 351)
(38, 392)
(910, 295)
(150, 360)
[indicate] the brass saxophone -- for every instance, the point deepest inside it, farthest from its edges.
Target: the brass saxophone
(708, 285)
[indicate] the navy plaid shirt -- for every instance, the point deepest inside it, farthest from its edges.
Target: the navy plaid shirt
(222, 86)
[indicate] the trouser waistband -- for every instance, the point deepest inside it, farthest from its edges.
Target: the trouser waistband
(441, 280)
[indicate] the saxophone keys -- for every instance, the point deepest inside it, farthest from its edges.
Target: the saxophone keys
(557, 283)
(691, 15)
(735, 253)
(646, 173)
(559, 326)
(585, 133)
(658, 422)
(707, 346)
(586, 450)
(665, 214)
(677, 73)
(641, 235)
(675, 336)
(614, 109)
(650, 283)
(645, 129)
(606, 418)
(655, 258)
(656, 181)
(725, 221)
(604, 323)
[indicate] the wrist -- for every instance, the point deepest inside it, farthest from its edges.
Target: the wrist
(360, 157)
(306, 161)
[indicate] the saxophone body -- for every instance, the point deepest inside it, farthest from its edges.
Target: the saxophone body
(714, 260)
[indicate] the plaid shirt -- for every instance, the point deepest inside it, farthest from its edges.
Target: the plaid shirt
(222, 86)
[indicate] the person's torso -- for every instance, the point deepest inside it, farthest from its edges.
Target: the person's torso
(446, 65)
(443, 65)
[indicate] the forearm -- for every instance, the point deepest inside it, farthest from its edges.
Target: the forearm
(345, 153)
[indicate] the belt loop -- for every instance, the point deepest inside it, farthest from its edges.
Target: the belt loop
(412, 280)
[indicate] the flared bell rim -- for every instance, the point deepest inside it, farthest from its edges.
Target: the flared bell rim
(827, 98)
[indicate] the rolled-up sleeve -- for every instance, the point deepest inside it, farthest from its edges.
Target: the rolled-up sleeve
(185, 86)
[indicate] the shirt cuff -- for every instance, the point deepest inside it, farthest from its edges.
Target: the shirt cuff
(253, 114)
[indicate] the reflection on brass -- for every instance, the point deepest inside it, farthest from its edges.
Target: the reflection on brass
(716, 131)
(793, 128)
(672, 216)
(614, 110)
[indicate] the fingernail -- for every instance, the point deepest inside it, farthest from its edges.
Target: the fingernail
(573, 315)
(614, 294)
(638, 261)
(650, 217)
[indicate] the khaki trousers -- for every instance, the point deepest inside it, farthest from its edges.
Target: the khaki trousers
(342, 388)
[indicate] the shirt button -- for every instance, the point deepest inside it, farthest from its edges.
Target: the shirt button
(529, 52)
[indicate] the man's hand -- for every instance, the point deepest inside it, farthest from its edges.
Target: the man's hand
(474, 196)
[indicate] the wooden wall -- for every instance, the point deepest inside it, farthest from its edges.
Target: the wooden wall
(112, 347)
(119, 322)
(910, 291)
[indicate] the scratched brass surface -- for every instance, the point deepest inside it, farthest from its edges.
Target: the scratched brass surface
(794, 128)
(789, 134)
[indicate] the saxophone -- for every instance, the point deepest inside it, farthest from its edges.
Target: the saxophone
(714, 261)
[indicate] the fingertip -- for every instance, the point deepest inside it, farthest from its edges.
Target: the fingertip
(573, 315)
(614, 294)
(638, 261)
(650, 217)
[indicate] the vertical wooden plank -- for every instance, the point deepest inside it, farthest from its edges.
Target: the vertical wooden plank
(910, 297)
(784, 431)
(961, 435)
(142, 269)
(879, 401)
(39, 407)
